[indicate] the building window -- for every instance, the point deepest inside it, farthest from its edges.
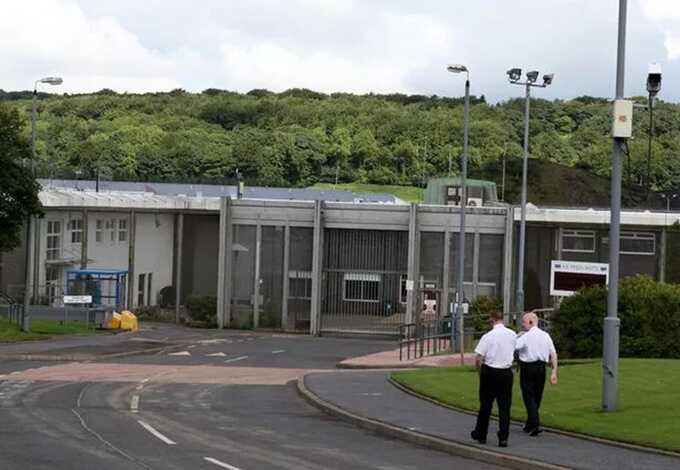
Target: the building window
(361, 287)
(111, 229)
(300, 284)
(99, 231)
(149, 290)
(141, 283)
(578, 241)
(53, 240)
(403, 293)
(75, 227)
(52, 281)
(122, 230)
(636, 243)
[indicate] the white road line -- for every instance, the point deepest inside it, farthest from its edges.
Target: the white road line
(181, 353)
(217, 354)
(279, 351)
(220, 464)
(240, 358)
(134, 403)
(160, 436)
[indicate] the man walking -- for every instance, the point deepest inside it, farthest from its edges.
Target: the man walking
(535, 347)
(495, 353)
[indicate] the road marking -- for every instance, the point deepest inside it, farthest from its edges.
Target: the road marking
(181, 353)
(217, 354)
(279, 351)
(239, 341)
(220, 464)
(134, 403)
(374, 394)
(160, 436)
(240, 358)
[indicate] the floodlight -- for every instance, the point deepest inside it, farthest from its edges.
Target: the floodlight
(654, 79)
(457, 68)
(532, 76)
(52, 80)
(514, 74)
(548, 78)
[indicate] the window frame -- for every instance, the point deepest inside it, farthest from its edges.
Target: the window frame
(304, 276)
(363, 278)
(578, 234)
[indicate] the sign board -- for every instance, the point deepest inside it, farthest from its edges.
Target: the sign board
(77, 299)
(566, 277)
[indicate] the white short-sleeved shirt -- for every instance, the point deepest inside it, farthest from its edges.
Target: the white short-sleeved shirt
(497, 347)
(535, 345)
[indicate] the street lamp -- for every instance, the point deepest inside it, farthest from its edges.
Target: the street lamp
(458, 68)
(30, 237)
(668, 198)
(514, 76)
(653, 88)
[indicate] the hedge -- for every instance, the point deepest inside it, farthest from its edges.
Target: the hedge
(649, 313)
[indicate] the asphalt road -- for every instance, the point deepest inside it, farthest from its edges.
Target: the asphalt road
(222, 401)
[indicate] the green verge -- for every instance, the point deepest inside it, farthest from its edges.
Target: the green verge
(649, 392)
(405, 193)
(42, 329)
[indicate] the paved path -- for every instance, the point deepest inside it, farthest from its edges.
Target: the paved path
(369, 394)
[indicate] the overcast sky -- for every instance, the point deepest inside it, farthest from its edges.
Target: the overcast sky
(359, 46)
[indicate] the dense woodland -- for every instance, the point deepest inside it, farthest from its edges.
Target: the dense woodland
(301, 137)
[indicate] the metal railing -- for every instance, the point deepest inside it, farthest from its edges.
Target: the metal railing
(417, 340)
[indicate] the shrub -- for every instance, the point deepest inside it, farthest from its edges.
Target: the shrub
(202, 308)
(649, 313)
(480, 309)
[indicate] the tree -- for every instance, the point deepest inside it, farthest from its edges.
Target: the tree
(18, 188)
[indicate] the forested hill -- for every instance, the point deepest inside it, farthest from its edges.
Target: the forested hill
(300, 137)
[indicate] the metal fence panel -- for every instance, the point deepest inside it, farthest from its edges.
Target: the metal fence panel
(300, 278)
(243, 274)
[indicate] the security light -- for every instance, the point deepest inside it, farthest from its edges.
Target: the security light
(514, 74)
(532, 76)
(457, 68)
(548, 78)
(654, 79)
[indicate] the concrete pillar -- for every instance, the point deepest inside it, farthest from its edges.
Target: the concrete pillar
(37, 245)
(317, 254)
(221, 262)
(508, 259)
(444, 307)
(286, 277)
(258, 276)
(179, 240)
(131, 260)
(228, 262)
(84, 240)
(412, 262)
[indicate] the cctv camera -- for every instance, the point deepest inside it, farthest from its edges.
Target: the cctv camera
(532, 76)
(654, 79)
(548, 78)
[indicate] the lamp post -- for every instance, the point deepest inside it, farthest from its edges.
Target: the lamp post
(31, 255)
(621, 129)
(514, 76)
(457, 341)
(668, 198)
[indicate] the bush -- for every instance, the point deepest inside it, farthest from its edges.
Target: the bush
(202, 308)
(480, 309)
(649, 313)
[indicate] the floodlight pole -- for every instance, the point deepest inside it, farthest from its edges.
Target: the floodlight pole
(610, 353)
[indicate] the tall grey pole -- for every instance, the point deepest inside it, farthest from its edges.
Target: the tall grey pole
(461, 243)
(610, 354)
(523, 209)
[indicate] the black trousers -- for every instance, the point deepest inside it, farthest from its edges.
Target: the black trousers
(532, 381)
(494, 385)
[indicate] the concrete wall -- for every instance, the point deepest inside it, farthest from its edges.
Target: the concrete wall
(13, 268)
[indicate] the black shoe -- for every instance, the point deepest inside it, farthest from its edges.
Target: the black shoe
(535, 432)
(477, 437)
(526, 429)
(502, 443)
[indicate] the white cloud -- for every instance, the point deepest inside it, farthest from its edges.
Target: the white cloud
(666, 15)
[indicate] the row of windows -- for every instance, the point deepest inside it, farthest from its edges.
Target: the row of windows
(632, 243)
(113, 230)
(357, 287)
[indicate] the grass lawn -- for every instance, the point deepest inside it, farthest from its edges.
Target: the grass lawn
(42, 329)
(648, 409)
(406, 193)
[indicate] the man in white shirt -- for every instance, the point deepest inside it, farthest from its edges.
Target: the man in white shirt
(535, 348)
(495, 352)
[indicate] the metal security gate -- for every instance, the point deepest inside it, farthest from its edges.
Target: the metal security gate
(364, 280)
(299, 279)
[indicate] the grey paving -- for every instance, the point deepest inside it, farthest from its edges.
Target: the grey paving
(369, 394)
